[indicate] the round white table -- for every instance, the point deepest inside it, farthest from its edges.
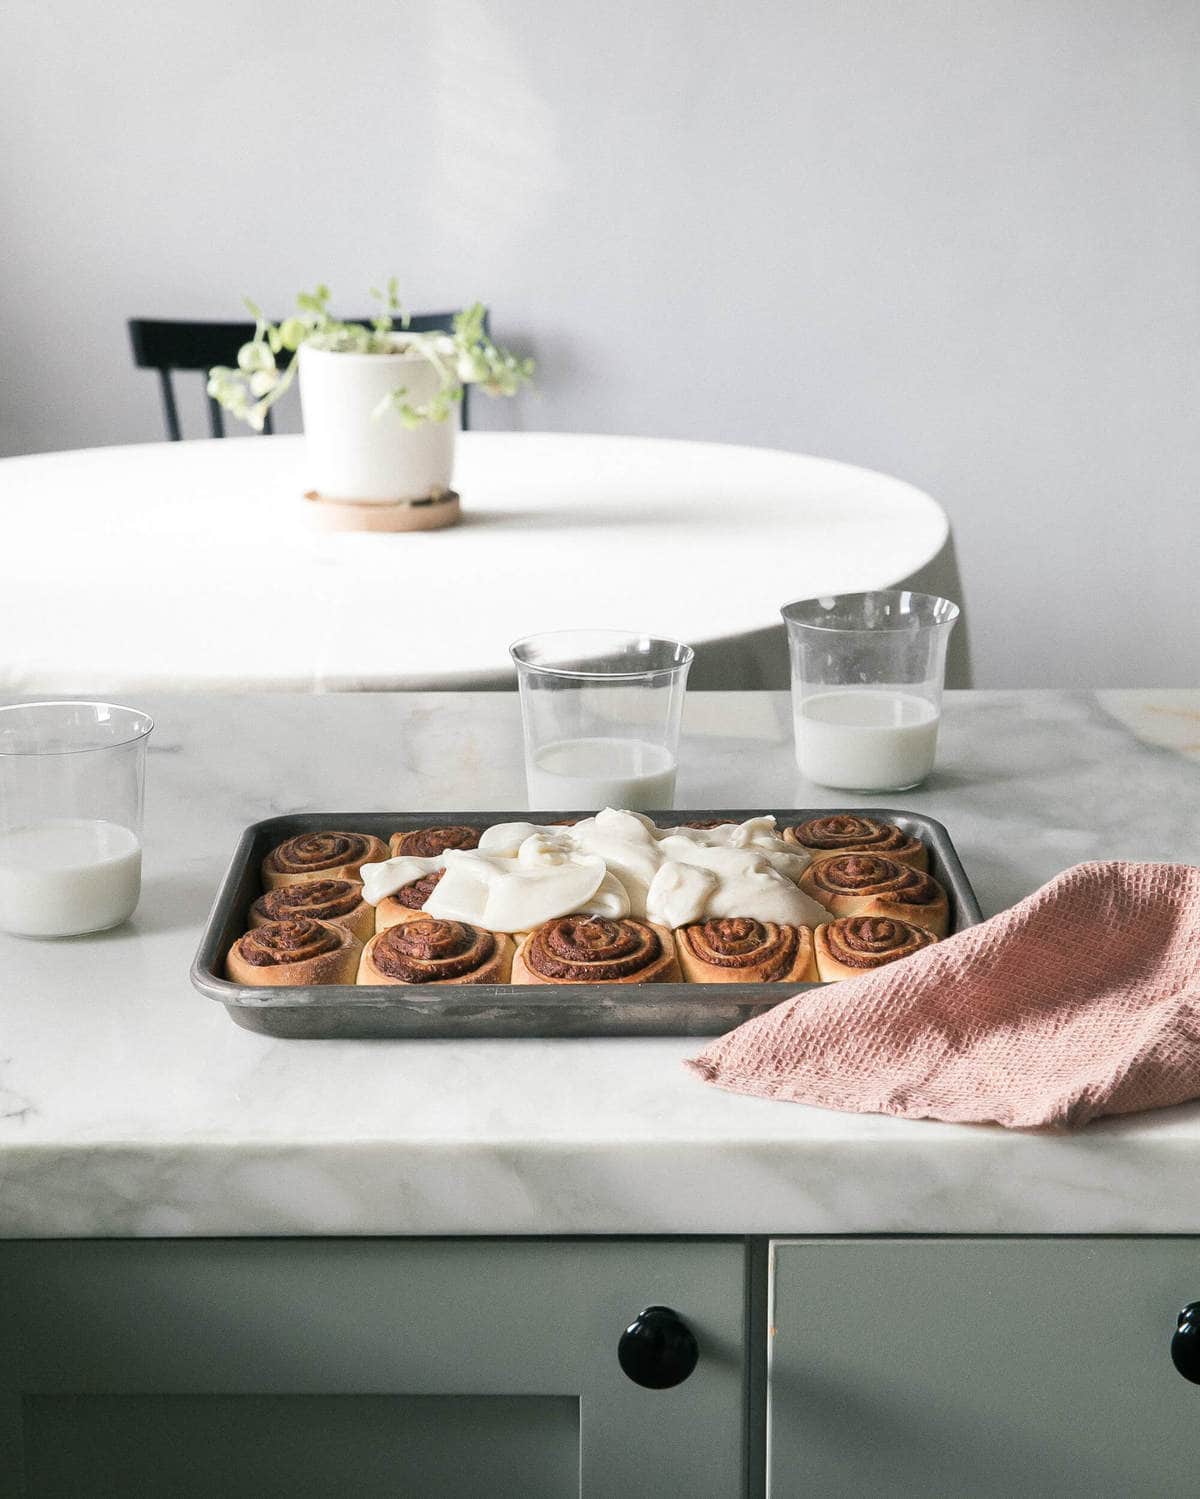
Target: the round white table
(198, 565)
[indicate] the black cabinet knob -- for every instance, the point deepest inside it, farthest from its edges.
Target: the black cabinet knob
(1185, 1345)
(658, 1349)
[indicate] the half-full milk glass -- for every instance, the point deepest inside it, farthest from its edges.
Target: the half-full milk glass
(71, 780)
(601, 712)
(867, 676)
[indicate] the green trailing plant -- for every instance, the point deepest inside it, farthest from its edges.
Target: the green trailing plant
(462, 355)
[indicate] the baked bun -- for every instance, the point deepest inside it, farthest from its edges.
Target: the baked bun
(854, 945)
(596, 950)
(870, 885)
(742, 950)
(844, 833)
(428, 843)
(407, 903)
(300, 951)
(321, 856)
(338, 901)
(430, 951)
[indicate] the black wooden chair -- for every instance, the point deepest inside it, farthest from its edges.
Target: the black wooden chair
(172, 347)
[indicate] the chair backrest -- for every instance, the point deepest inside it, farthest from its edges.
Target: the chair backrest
(168, 346)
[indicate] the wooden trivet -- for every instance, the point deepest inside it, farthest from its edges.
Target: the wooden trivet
(431, 514)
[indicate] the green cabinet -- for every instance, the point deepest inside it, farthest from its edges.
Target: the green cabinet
(350, 1369)
(972, 1368)
(906, 1368)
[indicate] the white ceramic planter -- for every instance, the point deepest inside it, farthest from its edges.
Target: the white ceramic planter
(354, 455)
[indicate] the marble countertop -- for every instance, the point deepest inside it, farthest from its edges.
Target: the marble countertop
(130, 1105)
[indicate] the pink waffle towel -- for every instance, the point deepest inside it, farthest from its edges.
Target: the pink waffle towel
(1083, 1000)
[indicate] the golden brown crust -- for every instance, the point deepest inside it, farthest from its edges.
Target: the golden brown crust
(429, 951)
(741, 950)
(428, 843)
(301, 951)
(596, 950)
(321, 856)
(870, 885)
(844, 833)
(854, 945)
(338, 901)
(408, 903)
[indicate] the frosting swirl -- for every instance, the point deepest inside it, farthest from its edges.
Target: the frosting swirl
(844, 831)
(323, 900)
(743, 942)
(596, 949)
(426, 951)
(313, 853)
(871, 874)
(871, 941)
(427, 843)
(294, 941)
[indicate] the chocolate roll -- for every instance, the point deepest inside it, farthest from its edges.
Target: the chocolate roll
(338, 901)
(596, 950)
(299, 951)
(742, 950)
(843, 833)
(321, 856)
(429, 951)
(869, 885)
(854, 945)
(428, 843)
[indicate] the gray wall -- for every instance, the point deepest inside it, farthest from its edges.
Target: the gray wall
(952, 239)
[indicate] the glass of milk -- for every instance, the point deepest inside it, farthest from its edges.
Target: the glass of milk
(867, 675)
(601, 710)
(71, 780)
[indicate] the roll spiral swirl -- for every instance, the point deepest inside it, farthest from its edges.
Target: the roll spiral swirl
(741, 944)
(293, 941)
(869, 874)
(427, 843)
(429, 951)
(843, 832)
(870, 885)
(323, 900)
(597, 950)
(871, 941)
(321, 856)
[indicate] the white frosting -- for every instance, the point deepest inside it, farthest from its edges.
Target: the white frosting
(728, 882)
(679, 894)
(757, 833)
(513, 895)
(788, 861)
(629, 845)
(506, 838)
(384, 879)
(614, 864)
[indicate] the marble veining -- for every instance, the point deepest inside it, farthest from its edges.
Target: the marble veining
(130, 1105)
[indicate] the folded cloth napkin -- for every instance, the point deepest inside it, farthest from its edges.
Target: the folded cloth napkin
(1082, 1000)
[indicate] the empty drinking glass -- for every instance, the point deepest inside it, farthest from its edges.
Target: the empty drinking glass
(601, 710)
(867, 675)
(71, 779)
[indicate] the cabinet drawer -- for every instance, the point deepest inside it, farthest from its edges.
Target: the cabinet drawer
(981, 1367)
(362, 1367)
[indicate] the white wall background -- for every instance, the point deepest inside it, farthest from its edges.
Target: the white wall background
(958, 240)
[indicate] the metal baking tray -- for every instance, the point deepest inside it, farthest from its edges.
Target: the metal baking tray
(433, 1011)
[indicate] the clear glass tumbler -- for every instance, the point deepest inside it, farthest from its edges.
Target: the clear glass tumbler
(71, 783)
(867, 676)
(601, 710)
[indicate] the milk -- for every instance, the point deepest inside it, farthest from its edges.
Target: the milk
(61, 878)
(580, 774)
(861, 739)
